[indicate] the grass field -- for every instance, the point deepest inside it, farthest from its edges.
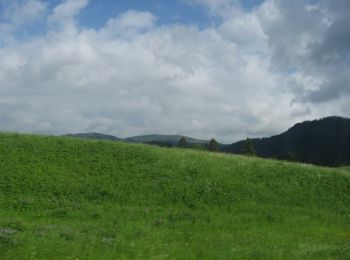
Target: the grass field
(62, 198)
(346, 168)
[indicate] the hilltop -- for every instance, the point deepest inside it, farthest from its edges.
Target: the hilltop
(322, 142)
(64, 198)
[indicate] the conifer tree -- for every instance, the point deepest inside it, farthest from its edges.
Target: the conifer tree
(182, 142)
(213, 145)
(248, 148)
(292, 156)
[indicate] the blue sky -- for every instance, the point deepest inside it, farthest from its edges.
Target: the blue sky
(97, 13)
(167, 12)
(202, 68)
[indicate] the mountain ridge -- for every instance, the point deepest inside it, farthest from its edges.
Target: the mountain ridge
(324, 141)
(170, 139)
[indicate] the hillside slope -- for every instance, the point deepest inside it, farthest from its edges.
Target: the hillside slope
(323, 142)
(64, 198)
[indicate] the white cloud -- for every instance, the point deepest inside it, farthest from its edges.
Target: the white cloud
(129, 24)
(63, 15)
(133, 77)
(18, 13)
(132, 20)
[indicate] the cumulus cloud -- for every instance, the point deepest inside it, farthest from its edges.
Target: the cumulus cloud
(312, 39)
(64, 14)
(16, 16)
(129, 23)
(253, 74)
(18, 13)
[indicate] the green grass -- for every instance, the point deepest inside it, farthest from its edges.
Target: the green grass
(346, 168)
(62, 198)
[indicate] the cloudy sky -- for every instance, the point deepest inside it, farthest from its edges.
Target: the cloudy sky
(205, 68)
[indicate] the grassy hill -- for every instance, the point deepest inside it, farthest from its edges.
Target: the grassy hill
(65, 198)
(345, 168)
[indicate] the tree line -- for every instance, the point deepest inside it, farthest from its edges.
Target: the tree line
(213, 146)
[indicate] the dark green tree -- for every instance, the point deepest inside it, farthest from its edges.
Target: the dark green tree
(248, 148)
(213, 145)
(182, 142)
(292, 156)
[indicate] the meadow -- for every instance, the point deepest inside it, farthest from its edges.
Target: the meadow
(65, 198)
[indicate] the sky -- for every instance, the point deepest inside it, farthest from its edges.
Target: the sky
(223, 69)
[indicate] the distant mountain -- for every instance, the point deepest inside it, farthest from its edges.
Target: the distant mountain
(323, 142)
(160, 140)
(97, 136)
(164, 139)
